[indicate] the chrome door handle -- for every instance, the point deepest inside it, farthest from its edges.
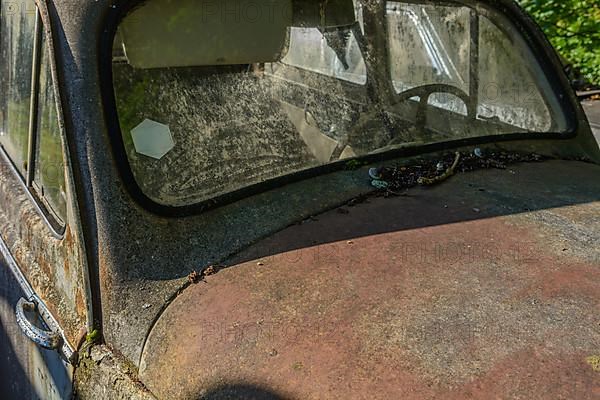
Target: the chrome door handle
(46, 339)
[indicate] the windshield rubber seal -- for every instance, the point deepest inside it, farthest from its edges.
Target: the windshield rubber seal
(531, 33)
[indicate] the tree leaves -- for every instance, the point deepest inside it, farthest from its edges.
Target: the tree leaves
(573, 28)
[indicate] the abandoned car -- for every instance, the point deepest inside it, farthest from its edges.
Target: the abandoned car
(293, 199)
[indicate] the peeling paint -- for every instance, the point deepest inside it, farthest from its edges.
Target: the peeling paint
(45, 260)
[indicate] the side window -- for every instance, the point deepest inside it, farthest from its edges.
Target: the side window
(49, 177)
(31, 140)
(17, 28)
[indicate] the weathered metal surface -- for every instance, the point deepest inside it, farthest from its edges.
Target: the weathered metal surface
(104, 375)
(27, 370)
(52, 266)
(485, 286)
(139, 260)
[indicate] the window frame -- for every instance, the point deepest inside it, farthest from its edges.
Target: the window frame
(532, 35)
(55, 224)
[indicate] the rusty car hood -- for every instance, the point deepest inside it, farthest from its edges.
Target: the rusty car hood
(484, 286)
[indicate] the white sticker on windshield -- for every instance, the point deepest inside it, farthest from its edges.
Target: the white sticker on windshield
(152, 139)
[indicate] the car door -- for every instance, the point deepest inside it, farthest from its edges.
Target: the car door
(44, 298)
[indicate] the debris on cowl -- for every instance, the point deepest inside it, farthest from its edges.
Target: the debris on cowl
(397, 179)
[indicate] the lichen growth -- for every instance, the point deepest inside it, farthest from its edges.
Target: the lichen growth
(297, 366)
(594, 362)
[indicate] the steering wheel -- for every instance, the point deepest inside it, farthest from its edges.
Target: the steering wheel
(424, 93)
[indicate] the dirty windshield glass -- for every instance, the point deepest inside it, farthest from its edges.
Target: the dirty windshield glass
(213, 97)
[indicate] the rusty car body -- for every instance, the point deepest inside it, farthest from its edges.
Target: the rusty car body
(331, 199)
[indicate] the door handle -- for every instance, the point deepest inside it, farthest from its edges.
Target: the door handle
(47, 339)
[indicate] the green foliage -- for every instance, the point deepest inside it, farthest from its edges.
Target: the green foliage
(573, 27)
(93, 336)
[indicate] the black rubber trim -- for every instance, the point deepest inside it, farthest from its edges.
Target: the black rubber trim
(533, 36)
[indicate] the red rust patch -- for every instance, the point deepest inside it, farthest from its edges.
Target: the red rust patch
(449, 311)
(80, 303)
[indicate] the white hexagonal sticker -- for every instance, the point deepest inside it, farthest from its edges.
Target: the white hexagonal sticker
(152, 139)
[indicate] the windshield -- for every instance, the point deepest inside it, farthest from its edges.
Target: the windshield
(214, 97)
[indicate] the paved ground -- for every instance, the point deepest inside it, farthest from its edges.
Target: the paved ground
(592, 109)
